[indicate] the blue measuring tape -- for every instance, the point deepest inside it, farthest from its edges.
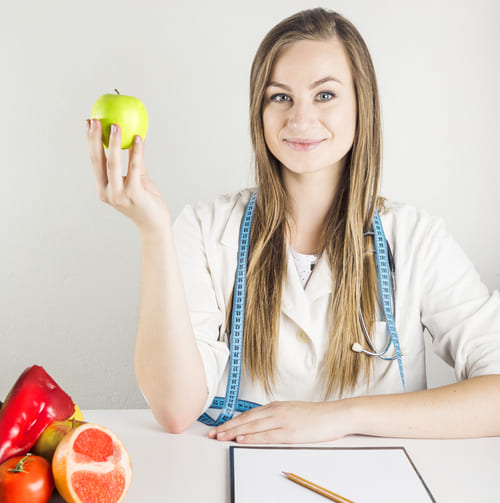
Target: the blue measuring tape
(384, 286)
(230, 403)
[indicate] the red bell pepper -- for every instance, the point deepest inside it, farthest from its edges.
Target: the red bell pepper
(34, 402)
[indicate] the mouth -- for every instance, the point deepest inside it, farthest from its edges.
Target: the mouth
(303, 144)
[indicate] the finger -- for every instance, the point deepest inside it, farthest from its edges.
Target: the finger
(275, 436)
(245, 417)
(114, 164)
(136, 167)
(252, 427)
(97, 155)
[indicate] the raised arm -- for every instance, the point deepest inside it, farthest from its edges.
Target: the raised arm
(168, 364)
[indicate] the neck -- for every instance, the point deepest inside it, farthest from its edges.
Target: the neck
(311, 196)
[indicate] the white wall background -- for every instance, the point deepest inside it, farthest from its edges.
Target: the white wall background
(70, 265)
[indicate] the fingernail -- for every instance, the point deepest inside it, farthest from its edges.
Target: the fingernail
(90, 124)
(211, 433)
(221, 435)
(137, 139)
(87, 125)
(113, 129)
(239, 438)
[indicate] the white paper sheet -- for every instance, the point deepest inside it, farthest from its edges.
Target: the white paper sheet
(363, 475)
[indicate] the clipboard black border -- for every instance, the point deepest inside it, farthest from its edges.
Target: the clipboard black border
(328, 448)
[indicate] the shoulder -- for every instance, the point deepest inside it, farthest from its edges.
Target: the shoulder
(401, 219)
(217, 218)
(223, 205)
(412, 231)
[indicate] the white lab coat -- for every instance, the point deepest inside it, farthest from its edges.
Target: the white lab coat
(437, 288)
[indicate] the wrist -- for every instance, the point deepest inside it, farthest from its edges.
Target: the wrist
(355, 414)
(157, 234)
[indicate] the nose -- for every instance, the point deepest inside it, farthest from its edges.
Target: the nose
(302, 115)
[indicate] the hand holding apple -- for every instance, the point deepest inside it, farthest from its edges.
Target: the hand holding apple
(133, 195)
(127, 111)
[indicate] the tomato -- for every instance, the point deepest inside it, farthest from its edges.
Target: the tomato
(26, 479)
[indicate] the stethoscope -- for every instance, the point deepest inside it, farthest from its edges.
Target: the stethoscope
(358, 348)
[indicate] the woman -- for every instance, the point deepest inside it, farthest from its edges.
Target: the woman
(315, 129)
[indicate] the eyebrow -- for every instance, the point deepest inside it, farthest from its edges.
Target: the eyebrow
(312, 86)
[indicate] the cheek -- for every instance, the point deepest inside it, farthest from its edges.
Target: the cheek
(344, 123)
(350, 127)
(353, 117)
(271, 129)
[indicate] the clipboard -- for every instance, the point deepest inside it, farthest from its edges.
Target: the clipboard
(361, 474)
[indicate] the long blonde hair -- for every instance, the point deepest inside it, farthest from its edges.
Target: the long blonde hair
(354, 279)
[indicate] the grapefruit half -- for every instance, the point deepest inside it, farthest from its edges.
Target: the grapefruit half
(91, 465)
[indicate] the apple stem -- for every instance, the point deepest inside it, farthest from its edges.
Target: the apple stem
(117, 92)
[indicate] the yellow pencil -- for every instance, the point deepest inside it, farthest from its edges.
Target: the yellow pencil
(316, 488)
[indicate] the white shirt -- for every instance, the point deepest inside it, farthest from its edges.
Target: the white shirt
(304, 263)
(437, 288)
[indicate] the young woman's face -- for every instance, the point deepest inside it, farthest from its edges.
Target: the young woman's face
(309, 112)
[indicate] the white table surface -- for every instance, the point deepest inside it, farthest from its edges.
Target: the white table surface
(190, 467)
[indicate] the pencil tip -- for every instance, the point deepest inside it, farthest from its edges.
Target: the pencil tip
(285, 474)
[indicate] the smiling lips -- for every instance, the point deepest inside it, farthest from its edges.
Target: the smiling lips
(302, 144)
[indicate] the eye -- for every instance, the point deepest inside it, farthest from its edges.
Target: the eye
(325, 96)
(280, 98)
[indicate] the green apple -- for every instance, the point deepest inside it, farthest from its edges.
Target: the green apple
(47, 442)
(126, 111)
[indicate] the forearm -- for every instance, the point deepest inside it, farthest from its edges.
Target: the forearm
(168, 364)
(470, 408)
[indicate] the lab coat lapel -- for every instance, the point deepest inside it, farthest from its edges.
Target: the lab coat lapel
(295, 303)
(320, 282)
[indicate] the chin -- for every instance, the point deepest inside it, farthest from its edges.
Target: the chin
(312, 168)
